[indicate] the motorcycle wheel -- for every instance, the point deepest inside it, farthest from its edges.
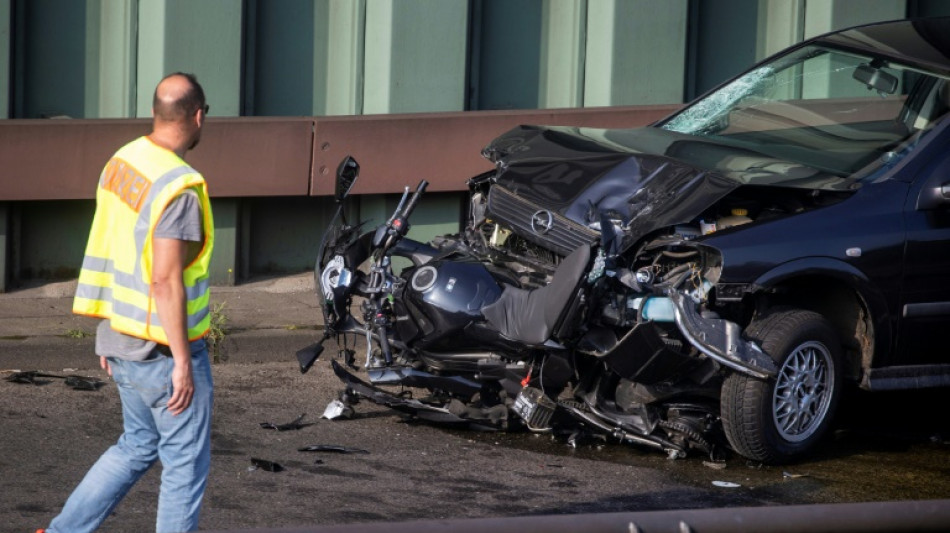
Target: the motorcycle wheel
(776, 421)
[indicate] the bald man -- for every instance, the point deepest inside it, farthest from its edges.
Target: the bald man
(145, 273)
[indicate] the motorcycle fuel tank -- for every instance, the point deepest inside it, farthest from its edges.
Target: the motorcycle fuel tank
(443, 297)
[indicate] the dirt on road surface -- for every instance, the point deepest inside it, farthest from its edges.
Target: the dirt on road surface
(52, 433)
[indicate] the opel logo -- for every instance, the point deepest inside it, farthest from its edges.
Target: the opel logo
(542, 221)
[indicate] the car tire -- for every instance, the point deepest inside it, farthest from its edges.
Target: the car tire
(777, 420)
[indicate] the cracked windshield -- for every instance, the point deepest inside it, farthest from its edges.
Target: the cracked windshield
(837, 113)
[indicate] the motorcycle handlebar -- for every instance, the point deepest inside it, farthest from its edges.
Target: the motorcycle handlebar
(402, 202)
(415, 198)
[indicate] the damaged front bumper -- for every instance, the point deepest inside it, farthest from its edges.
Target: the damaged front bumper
(720, 340)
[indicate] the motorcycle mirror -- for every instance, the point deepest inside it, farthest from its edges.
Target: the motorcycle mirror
(346, 175)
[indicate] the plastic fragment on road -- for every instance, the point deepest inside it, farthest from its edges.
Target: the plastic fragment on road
(289, 426)
(35, 377)
(726, 484)
(331, 448)
(788, 475)
(265, 465)
(337, 409)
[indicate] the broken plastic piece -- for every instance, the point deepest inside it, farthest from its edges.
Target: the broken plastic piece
(788, 475)
(726, 484)
(74, 381)
(330, 448)
(83, 383)
(307, 356)
(29, 376)
(295, 424)
(415, 408)
(264, 464)
(337, 409)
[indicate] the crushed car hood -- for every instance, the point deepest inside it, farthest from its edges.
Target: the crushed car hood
(649, 178)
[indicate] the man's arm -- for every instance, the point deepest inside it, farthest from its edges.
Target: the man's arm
(168, 289)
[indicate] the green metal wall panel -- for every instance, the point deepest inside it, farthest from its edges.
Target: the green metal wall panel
(281, 58)
(50, 59)
(4, 245)
(150, 54)
(563, 42)
(635, 52)
(113, 33)
(712, 58)
(225, 258)
(51, 238)
(507, 46)
(339, 74)
(5, 60)
(415, 56)
(285, 232)
(203, 38)
(822, 16)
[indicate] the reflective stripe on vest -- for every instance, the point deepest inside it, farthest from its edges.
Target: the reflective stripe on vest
(115, 281)
(104, 293)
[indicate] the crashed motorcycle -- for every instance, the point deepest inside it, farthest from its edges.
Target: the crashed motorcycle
(499, 342)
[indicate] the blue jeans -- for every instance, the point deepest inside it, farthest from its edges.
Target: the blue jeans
(182, 443)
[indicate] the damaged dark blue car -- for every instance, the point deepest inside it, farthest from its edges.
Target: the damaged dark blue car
(784, 235)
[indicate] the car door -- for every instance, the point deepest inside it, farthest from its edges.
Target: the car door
(924, 321)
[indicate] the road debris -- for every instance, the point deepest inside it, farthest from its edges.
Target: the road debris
(331, 448)
(289, 426)
(337, 409)
(788, 475)
(35, 377)
(726, 484)
(266, 465)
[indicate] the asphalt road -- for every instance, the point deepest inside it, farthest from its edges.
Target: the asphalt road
(50, 434)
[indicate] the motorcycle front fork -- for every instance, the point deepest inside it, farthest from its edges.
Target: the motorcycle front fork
(377, 320)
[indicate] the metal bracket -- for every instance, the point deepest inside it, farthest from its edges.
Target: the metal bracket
(721, 340)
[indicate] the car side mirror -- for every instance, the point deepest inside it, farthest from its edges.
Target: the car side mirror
(876, 79)
(346, 175)
(934, 197)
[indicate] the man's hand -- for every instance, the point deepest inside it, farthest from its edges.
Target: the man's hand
(183, 387)
(104, 363)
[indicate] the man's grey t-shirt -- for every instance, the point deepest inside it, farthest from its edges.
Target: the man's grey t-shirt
(181, 220)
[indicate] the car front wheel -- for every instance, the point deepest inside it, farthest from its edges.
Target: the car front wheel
(775, 421)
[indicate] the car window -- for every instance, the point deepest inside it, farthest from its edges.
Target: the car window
(836, 112)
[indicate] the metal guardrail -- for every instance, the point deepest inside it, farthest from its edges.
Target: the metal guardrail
(60, 159)
(926, 515)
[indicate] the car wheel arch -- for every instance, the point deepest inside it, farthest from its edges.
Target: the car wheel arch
(839, 292)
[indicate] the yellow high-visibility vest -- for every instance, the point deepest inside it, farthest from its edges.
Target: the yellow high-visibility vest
(135, 187)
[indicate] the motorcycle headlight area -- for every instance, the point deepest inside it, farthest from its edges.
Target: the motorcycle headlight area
(334, 275)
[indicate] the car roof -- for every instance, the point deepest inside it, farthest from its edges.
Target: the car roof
(921, 42)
